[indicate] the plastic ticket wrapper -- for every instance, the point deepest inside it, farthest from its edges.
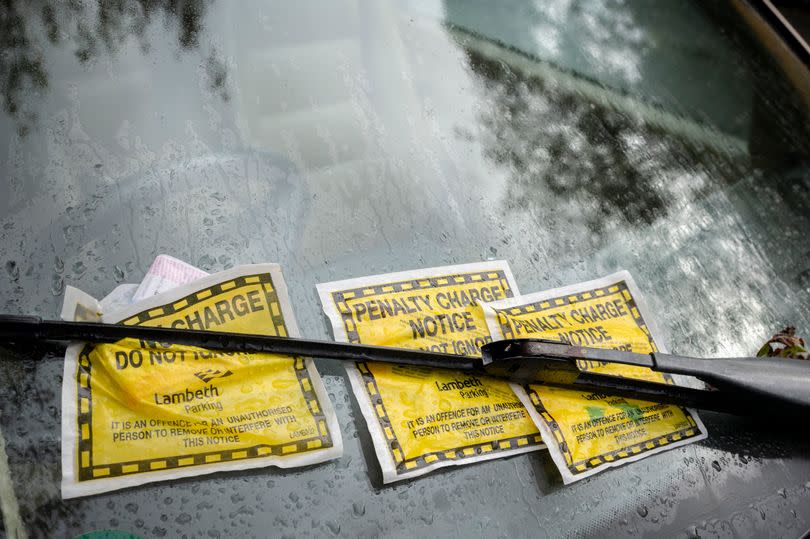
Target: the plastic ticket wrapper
(423, 418)
(590, 432)
(165, 273)
(136, 412)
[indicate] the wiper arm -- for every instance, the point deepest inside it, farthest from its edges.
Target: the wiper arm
(740, 385)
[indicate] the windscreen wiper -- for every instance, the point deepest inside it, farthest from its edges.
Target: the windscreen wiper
(738, 385)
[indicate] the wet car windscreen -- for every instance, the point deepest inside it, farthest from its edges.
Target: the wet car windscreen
(357, 137)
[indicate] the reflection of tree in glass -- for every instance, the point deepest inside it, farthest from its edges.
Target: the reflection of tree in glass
(559, 144)
(91, 26)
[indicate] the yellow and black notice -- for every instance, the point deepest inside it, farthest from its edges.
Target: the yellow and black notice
(589, 432)
(420, 418)
(136, 411)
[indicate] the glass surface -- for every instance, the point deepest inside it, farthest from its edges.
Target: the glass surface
(355, 137)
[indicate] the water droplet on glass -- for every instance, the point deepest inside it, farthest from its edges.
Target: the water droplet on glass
(118, 274)
(131, 507)
(359, 509)
(782, 492)
(13, 270)
(58, 265)
(333, 526)
(57, 285)
(642, 511)
(206, 262)
(79, 268)
(716, 465)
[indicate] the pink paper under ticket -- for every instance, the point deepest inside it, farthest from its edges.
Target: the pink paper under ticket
(166, 273)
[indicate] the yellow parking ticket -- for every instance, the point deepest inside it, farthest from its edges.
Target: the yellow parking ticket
(420, 418)
(136, 412)
(589, 432)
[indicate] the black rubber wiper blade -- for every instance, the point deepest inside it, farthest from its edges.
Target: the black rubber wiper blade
(32, 328)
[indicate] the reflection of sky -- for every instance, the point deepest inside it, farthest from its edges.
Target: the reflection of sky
(627, 46)
(392, 128)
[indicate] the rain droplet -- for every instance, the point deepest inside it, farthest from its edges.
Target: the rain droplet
(58, 265)
(13, 270)
(782, 492)
(206, 262)
(57, 285)
(333, 526)
(716, 465)
(359, 509)
(118, 274)
(131, 507)
(642, 511)
(79, 268)
(183, 518)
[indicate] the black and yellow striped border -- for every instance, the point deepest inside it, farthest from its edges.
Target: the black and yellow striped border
(404, 465)
(89, 471)
(612, 456)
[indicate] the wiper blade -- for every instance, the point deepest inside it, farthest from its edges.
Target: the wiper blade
(739, 385)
